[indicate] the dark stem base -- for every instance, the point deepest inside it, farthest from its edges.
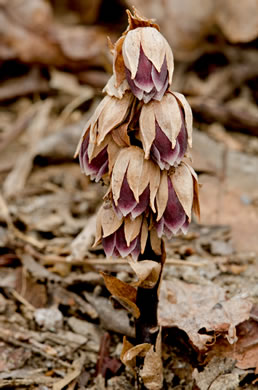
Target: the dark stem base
(146, 326)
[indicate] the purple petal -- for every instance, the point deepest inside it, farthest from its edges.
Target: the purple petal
(135, 90)
(109, 244)
(137, 249)
(148, 96)
(162, 151)
(159, 94)
(121, 244)
(98, 166)
(143, 79)
(174, 213)
(159, 78)
(167, 232)
(126, 202)
(185, 226)
(143, 203)
(182, 141)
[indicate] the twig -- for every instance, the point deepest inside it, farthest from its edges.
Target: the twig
(22, 300)
(6, 335)
(52, 259)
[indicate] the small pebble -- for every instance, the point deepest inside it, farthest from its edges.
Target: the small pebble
(49, 319)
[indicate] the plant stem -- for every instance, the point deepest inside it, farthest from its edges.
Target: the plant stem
(146, 326)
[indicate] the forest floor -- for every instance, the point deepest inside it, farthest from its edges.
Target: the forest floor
(59, 328)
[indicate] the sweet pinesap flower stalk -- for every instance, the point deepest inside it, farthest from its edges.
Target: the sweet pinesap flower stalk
(136, 143)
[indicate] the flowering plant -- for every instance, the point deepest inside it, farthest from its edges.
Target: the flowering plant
(136, 142)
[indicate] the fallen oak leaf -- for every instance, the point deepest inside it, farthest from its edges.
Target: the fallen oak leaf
(199, 310)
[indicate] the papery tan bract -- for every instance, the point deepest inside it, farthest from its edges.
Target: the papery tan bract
(166, 129)
(110, 113)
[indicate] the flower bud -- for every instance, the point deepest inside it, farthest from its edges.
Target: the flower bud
(148, 61)
(121, 237)
(98, 166)
(166, 129)
(134, 183)
(100, 143)
(176, 197)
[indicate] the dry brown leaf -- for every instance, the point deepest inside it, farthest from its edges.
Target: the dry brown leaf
(123, 292)
(217, 374)
(147, 271)
(244, 351)
(130, 353)
(199, 309)
(152, 371)
(119, 288)
(126, 347)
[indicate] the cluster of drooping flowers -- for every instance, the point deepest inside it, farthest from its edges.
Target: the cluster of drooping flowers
(136, 142)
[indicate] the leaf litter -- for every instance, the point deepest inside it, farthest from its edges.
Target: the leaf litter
(54, 308)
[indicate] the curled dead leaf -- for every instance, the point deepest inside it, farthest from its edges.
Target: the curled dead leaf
(147, 271)
(124, 292)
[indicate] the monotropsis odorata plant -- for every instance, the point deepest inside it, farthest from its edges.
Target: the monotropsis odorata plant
(136, 143)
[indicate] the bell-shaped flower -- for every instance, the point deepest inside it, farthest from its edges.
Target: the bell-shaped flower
(120, 237)
(104, 134)
(142, 61)
(134, 183)
(166, 129)
(177, 196)
(148, 61)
